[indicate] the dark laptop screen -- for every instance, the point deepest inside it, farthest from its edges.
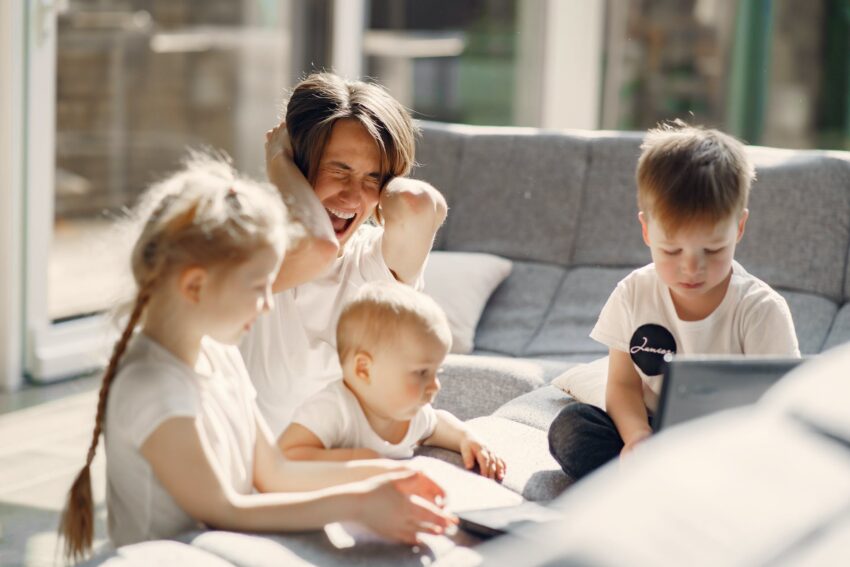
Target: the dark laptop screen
(697, 386)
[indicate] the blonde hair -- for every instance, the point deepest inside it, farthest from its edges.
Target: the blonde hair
(322, 99)
(378, 313)
(689, 174)
(205, 214)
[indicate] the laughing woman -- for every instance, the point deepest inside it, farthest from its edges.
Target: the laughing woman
(339, 159)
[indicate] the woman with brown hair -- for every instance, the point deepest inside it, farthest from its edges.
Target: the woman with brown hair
(354, 143)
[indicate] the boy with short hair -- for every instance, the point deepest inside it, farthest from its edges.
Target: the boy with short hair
(694, 298)
(391, 342)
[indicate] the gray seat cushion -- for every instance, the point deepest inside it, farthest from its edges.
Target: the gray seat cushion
(531, 470)
(566, 328)
(473, 386)
(840, 332)
(813, 316)
(517, 308)
(536, 409)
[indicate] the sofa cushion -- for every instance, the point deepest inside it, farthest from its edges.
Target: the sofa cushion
(518, 195)
(839, 334)
(532, 472)
(473, 385)
(847, 278)
(536, 409)
(608, 229)
(462, 283)
(438, 155)
(530, 469)
(799, 224)
(813, 316)
(517, 308)
(567, 325)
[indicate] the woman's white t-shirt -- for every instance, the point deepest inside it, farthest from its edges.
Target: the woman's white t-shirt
(640, 319)
(335, 416)
(153, 385)
(291, 352)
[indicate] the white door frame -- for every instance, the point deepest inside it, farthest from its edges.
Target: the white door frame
(12, 62)
(51, 350)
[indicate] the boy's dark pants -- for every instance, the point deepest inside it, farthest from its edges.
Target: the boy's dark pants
(583, 438)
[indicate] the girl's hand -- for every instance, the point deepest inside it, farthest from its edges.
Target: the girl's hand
(402, 504)
(489, 464)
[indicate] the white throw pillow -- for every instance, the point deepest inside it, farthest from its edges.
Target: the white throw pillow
(461, 283)
(586, 382)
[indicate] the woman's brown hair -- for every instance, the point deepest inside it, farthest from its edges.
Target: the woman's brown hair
(203, 215)
(320, 100)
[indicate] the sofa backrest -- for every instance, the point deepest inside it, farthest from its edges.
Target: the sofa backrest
(568, 198)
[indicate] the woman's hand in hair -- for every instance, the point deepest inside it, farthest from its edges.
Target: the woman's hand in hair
(277, 141)
(317, 247)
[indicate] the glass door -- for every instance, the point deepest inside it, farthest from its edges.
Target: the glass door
(119, 90)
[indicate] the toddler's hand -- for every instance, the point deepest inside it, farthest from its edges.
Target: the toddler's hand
(363, 454)
(489, 464)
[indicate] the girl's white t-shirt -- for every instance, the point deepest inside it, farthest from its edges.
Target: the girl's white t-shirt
(335, 416)
(640, 319)
(153, 385)
(291, 351)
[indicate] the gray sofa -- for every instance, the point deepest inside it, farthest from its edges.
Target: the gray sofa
(561, 206)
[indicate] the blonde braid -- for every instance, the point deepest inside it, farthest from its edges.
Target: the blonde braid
(77, 524)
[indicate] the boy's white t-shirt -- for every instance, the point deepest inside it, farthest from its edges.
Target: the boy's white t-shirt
(153, 385)
(640, 319)
(291, 351)
(334, 416)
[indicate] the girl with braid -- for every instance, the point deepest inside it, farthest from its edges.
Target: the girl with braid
(186, 445)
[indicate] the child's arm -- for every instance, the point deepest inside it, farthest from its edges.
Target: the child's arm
(300, 444)
(318, 247)
(185, 466)
(413, 211)
(624, 400)
(450, 433)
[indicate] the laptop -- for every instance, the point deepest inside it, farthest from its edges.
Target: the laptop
(695, 386)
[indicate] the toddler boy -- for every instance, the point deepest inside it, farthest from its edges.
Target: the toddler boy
(694, 298)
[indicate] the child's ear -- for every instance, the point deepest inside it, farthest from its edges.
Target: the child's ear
(742, 223)
(363, 366)
(644, 229)
(191, 281)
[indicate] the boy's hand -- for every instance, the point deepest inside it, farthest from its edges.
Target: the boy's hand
(633, 442)
(489, 464)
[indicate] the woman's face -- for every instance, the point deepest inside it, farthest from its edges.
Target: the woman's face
(348, 180)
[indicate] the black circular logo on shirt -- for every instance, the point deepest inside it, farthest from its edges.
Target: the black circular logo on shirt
(648, 346)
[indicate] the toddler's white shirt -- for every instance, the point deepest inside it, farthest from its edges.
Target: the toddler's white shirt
(153, 385)
(640, 319)
(291, 351)
(334, 416)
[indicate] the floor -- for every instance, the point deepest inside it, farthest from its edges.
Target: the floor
(44, 434)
